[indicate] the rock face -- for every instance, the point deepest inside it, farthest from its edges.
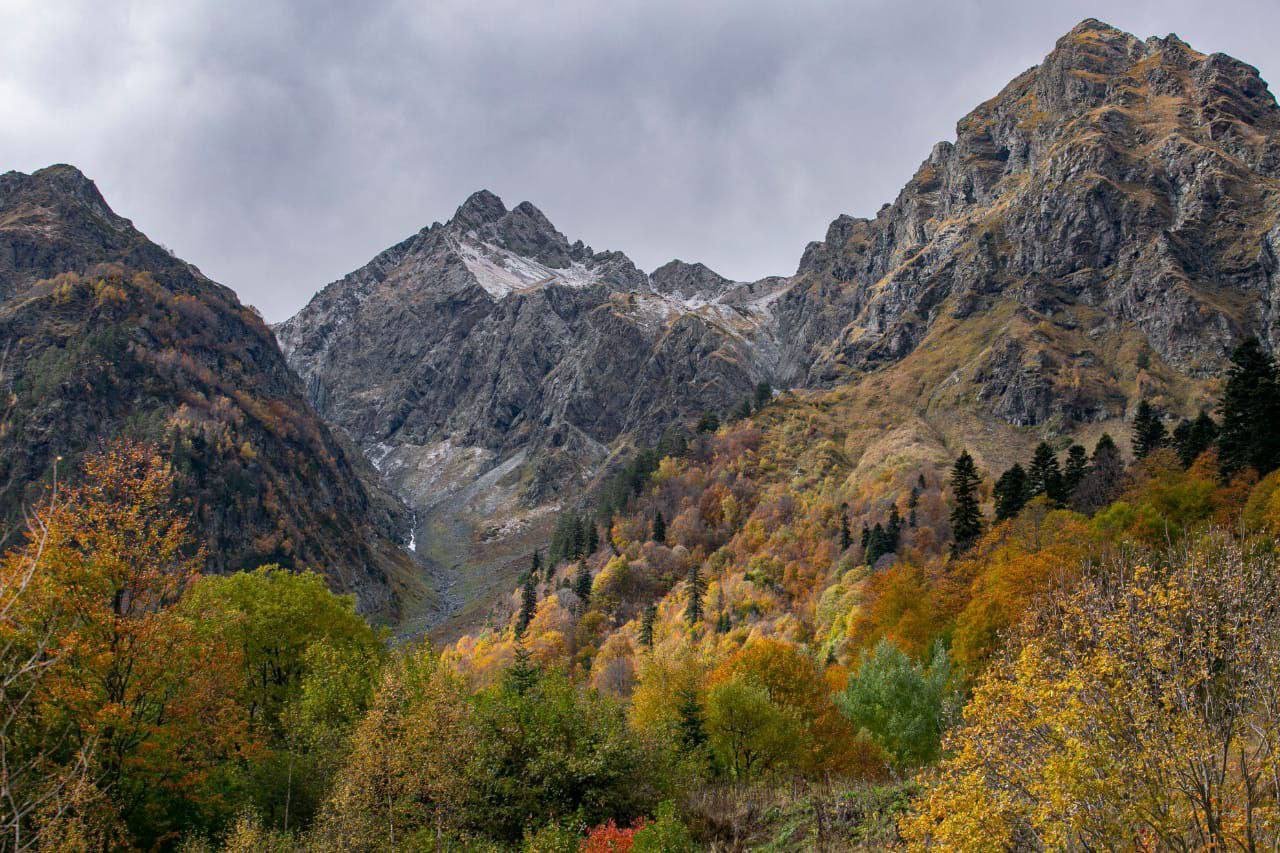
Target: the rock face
(106, 334)
(1121, 186)
(1103, 229)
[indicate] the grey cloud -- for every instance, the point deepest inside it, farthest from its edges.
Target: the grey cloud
(279, 145)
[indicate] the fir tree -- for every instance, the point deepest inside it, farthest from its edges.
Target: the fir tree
(877, 543)
(593, 538)
(893, 530)
(693, 732)
(846, 538)
(1077, 467)
(1011, 492)
(1192, 438)
(1148, 431)
(1044, 477)
(912, 503)
(693, 606)
(535, 564)
(528, 603)
(1102, 482)
(646, 625)
(659, 528)
(523, 675)
(966, 514)
(865, 538)
(582, 584)
(1250, 404)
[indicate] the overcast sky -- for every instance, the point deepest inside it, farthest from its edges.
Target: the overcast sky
(279, 145)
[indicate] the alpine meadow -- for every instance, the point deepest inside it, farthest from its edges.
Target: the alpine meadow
(963, 536)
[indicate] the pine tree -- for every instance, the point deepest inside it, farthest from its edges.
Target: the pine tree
(1044, 477)
(593, 538)
(693, 607)
(1148, 431)
(846, 538)
(864, 539)
(1011, 492)
(535, 564)
(582, 584)
(646, 625)
(1250, 404)
(528, 603)
(659, 528)
(1077, 467)
(966, 514)
(579, 548)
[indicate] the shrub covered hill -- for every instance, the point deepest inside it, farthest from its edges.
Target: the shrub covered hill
(105, 334)
(1099, 232)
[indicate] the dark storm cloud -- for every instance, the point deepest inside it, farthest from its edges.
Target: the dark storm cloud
(279, 145)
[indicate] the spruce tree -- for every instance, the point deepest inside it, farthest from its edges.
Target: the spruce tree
(659, 528)
(693, 732)
(593, 538)
(582, 584)
(1250, 405)
(646, 625)
(523, 675)
(876, 545)
(1011, 492)
(846, 537)
(1192, 438)
(893, 530)
(528, 603)
(535, 564)
(966, 514)
(1102, 482)
(1148, 431)
(696, 589)
(1044, 477)
(1077, 467)
(864, 538)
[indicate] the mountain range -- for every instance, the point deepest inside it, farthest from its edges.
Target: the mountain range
(1100, 232)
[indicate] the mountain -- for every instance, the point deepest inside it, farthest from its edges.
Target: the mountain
(106, 334)
(489, 367)
(1101, 231)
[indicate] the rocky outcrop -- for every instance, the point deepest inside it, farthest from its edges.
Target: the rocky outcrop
(104, 333)
(1138, 179)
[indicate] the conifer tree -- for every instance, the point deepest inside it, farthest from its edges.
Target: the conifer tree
(1077, 466)
(1011, 492)
(864, 539)
(764, 393)
(1192, 438)
(582, 584)
(646, 625)
(1148, 431)
(593, 537)
(693, 732)
(912, 503)
(709, 422)
(966, 514)
(1102, 482)
(877, 543)
(523, 674)
(846, 538)
(535, 564)
(1250, 404)
(659, 528)
(693, 607)
(528, 603)
(1044, 477)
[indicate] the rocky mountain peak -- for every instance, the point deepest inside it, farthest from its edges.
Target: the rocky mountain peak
(686, 281)
(481, 208)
